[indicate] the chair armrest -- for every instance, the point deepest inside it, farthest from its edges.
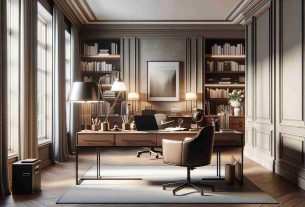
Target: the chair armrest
(172, 151)
(187, 138)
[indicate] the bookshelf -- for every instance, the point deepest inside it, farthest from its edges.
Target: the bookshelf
(224, 71)
(99, 58)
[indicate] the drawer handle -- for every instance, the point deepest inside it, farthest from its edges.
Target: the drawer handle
(148, 141)
(88, 140)
(26, 174)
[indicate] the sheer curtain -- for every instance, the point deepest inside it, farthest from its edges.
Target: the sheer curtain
(28, 77)
(60, 138)
(75, 107)
(4, 183)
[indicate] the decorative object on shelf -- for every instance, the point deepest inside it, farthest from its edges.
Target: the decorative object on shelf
(216, 123)
(234, 99)
(133, 97)
(133, 126)
(191, 97)
(163, 81)
(84, 92)
(198, 116)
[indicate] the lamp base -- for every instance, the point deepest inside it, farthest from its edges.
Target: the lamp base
(105, 126)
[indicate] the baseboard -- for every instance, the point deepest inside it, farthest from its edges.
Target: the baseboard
(256, 156)
(291, 173)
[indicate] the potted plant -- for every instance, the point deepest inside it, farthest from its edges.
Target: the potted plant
(235, 98)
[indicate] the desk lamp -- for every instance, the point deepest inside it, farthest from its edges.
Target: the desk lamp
(133, 97)
(83, 92)
(190, 96)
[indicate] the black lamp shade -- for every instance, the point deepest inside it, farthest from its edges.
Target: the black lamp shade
(83, 91)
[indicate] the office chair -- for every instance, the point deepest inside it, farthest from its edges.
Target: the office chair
(162, 122)
(190, 153)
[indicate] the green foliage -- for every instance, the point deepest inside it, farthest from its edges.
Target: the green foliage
(237, 96)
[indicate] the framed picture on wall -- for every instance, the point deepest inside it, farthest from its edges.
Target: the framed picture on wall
(163, 81)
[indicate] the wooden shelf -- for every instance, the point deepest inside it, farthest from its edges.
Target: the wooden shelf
(102, 56)
(217, 99)
(225, 56)
(224, 72)
(225, 85)
(98, 72)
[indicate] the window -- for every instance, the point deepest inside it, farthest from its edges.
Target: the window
(44, 75)
(68, 76)
(13, 75)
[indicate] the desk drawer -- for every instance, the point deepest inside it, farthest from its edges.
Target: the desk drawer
(136, 140)
(180, 137)
(95, 140)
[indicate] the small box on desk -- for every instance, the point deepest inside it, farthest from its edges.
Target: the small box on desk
(26, 176)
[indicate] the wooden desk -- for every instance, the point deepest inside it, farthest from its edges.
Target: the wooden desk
(98, 139)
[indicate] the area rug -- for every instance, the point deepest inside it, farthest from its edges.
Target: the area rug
(146, 188)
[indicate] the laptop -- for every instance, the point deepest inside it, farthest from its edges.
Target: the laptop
(145, 123)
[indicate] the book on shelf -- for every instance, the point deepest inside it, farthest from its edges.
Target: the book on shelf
(222, 66)
(212, 108)
(114, 49)
(91, 49)
(217, 93)
(87, 79)
(228, 49)
(96, 66)
(103, 52)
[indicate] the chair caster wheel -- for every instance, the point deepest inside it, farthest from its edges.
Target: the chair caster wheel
(157, 156)
(164, 187)
(138, 155)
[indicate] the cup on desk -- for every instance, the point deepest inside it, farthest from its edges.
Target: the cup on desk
(95, 127)
(125, 126)
(105, 126)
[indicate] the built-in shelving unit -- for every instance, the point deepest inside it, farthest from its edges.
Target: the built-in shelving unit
(224, 71)
(100, 58)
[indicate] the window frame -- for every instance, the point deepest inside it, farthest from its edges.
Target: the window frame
(45, 17)
(68, 80)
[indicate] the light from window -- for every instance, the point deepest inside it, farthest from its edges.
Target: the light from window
(13, 75)
(68, 76)
(44, 74)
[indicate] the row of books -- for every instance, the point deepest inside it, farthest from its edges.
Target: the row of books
(217, 93)
(108, 80)
(108, 94)
(228, 49)
(96, 66)
(93, 49)
(221, 66)
(214, 108)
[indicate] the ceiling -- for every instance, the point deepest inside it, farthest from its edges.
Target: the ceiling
(157, 11)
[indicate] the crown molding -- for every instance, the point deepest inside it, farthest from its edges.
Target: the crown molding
(85, 15)
(68, 12)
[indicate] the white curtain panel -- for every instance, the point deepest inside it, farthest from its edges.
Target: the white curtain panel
(75, 123)
(60, 138)
(4, 183)
(28, 65)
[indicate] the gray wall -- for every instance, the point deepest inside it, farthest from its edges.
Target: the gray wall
(142, 43)
(275, 116)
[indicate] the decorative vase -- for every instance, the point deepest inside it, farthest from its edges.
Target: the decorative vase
(236, 106)
(236, 111)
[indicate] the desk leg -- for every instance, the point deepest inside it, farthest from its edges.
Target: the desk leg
(219, 167)
(76, 165)
(217, 160)
(242, 166)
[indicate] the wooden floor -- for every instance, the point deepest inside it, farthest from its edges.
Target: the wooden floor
(58, 178)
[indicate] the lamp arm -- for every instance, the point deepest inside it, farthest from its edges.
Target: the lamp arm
(115, 102)
(100, 90)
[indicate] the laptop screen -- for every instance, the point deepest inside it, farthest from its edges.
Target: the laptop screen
(145, 123)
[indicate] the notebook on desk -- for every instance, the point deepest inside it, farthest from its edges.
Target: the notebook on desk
(174, 129)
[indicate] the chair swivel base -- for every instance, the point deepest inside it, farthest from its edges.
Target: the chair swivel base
(188, 184)
(149, 150)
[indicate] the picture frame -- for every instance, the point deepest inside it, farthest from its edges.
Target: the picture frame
(163, 80)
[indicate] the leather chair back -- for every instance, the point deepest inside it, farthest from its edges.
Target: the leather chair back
(159, 118)
(198, 151)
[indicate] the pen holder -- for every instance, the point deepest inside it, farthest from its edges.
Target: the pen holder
(105, 126)
(95, 127)
(125, 126)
